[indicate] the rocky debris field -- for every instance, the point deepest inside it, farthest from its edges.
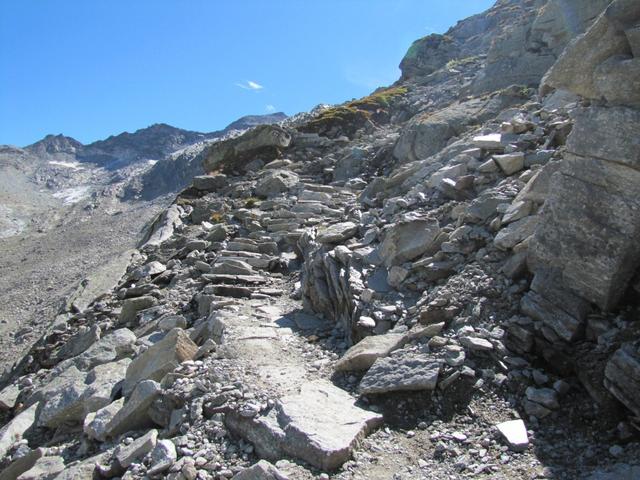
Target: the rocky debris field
(423, 283)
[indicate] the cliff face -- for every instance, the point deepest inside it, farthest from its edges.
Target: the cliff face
(457, 252)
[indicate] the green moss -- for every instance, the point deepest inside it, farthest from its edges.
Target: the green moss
(460, 62)
(353, 115)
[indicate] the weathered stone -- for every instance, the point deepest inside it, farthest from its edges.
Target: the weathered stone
(275, 182)
(428, 54)
(132, 306)
(362, 355)
(127, 454)
(400, 372)
(45, 468)
(515, 434)
(95, 423)
(515, 232)
(133, 414)
(622, 376)
(9, 396)
(88, 393)
(22, 464)
(210, 183)
(408, 239)
(510, 163)
(263, 141)
(337, 233)
(228, 266)
(148, 270)
(160, 359)
(164, 226)
(396, 276)
(492, 141)
(516, 211)
(163, 456)
(109, 348)
(321, 425)
(547, 397)
(262, 470)
(80, 342)
(14, 430)
(476, 343)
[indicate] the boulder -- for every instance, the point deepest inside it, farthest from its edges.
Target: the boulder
(337, 233)
(510, 163)
(409, 239)
(400, 372)
(274, 182)
(160, 359)
(87, 393)
(263, 141)
(163, 226)
(15, 429)
(95, 423)
(45, 468)
(132, 306)
(622, 376)
(516, 232)
(320, 425)
(162, 457)
(109, 348)
(133, 414)
(127, 454)
(362, 355)
(262, 470)
(210, 183)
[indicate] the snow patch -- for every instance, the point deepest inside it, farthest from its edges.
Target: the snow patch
(72, 195)
(72, 165)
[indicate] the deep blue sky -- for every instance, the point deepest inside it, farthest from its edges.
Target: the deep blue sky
(90, 68)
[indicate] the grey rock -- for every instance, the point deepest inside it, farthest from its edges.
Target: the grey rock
(210, 183)
(338, 232)
(45, 468)
(133, 414)
(95, 423)
(510, 163)
(362, 355)
(22, 464)
(263, 141)
(163, 226)
(400, 372)
(148, 270)
(15, 429)
(408, 239)
(127, 454)
(622, 376)
(132, 306)
(274, 182)
(160, 359)
(9, 396)
(321, 425)
(163, 456)
(516, 232)
(262, 470)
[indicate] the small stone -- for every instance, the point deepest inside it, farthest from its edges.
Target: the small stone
(510, 163)
(163, 457)
(476, 343)
(515, 434)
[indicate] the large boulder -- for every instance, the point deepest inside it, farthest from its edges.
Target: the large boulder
(409, 239)
(275, 182)
(160, 359)
(320, 425)
(262, 142)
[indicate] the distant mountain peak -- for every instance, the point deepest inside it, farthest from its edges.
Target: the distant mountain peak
(55, 144)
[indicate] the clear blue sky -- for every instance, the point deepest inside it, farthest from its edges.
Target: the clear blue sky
(90, 68)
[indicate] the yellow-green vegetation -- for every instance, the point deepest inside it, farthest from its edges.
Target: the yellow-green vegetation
(352, 115)
(460, 62)
(216, 217)
(252, 202)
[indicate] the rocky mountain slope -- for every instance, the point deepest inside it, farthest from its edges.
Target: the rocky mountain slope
(439, 280)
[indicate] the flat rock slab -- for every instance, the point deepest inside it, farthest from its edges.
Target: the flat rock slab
(515, 434)
(362, 355)
(338, 232)
(320, 425)
(402, 372)
(13, 431)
